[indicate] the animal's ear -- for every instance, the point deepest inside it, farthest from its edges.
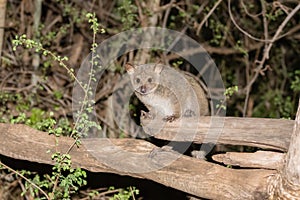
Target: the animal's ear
(129, 68)
(158, 68)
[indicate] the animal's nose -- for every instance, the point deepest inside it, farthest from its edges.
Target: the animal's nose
(143, 89)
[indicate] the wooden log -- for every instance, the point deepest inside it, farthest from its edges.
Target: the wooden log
(259, 159)
(256, 132)
(187, 174)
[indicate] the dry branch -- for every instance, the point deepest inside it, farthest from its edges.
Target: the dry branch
(2, 23)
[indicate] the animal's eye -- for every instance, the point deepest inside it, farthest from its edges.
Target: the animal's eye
(137, 80)
(150, 80)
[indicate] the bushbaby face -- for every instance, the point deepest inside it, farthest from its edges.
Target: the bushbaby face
(144, 78)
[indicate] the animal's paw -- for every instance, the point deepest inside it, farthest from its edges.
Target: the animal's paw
(189, 113)
(146, 115)
(169, 118)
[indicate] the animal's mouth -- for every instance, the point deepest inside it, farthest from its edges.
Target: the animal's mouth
(144, 90)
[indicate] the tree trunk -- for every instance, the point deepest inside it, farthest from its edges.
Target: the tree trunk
(286, 185)
(2, 23)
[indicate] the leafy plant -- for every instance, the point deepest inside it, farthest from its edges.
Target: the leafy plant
(295, 86)
(273, 104)
(228, 93)
(127, 11)
(65, 185)
(124, 194)
(64, 180)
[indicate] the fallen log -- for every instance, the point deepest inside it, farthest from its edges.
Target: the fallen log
(196, 177)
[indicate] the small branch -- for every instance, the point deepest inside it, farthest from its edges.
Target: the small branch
(207, 16)
(247, 11)
(26, 179)
(266, 35)
(282, 25)
(266, 54)
(266, 32)
(36, 56)
(2, 23)
(167, 13)
(238, 27)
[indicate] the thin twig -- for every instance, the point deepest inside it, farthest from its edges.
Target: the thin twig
(266, 35)
(207, 16)
(238, 27)
(265, 22)
(26, 179)
(247, 12)
(266, 54)
(2, 24)
(167, 13)
(282, 25)
(132, 193)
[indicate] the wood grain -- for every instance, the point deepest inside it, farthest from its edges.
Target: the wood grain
(259, 159)
(140, 159)
(256, 132)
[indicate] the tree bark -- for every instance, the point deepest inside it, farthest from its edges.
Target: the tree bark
(286, 185)
(2, 24)
(197, 177)
(256, 132)
(259, 159)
